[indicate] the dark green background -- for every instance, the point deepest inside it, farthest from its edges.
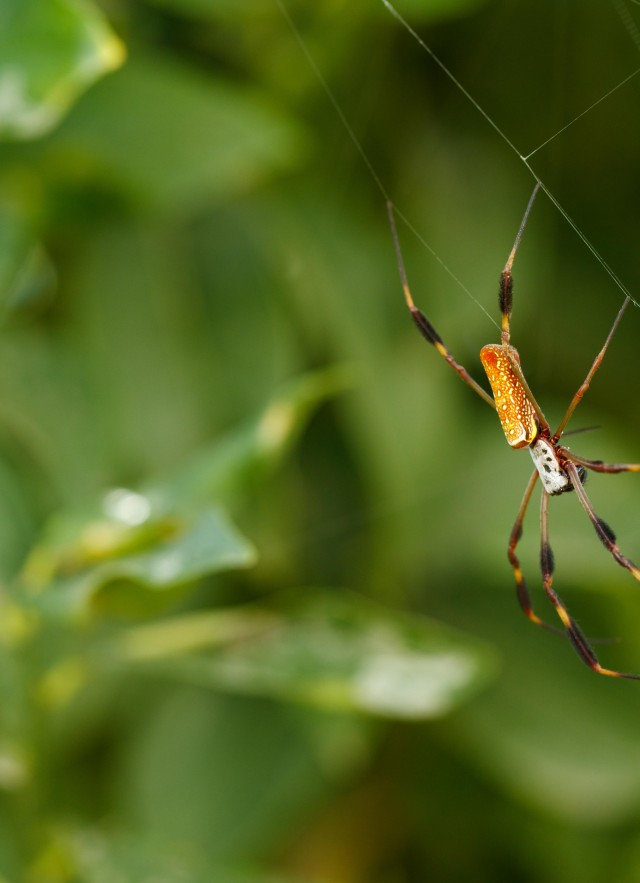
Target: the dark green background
(199, 230)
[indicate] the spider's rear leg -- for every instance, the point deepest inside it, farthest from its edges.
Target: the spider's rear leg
(603, 530)
(521, 587)
(573, 631)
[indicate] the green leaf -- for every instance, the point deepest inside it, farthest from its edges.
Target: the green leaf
(337, 652)
(97, 567)
(50, 52)
(187, 137)
(259, 445)
(169, 534)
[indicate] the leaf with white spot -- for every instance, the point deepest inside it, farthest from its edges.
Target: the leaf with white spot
(179, 550)
(337, 652)
(50, 52)
(172, 533)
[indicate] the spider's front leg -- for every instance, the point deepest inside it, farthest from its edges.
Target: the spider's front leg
(424, 325)
(600, 466)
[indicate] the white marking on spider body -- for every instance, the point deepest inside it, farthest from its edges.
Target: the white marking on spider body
(554, 479)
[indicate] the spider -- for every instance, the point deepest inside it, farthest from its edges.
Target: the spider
(525, 426)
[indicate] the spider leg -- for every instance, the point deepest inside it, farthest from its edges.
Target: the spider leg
(424, 325)
(575, 401)
(603, 530)
(574, 632)
(506, 281)
(524, 596)
(599, 466)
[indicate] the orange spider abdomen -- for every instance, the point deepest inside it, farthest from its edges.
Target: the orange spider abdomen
(516, 413)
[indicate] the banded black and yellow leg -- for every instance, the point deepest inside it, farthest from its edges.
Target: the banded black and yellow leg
(522, 590)
(516, 533)
(424, 325)
(574, 632)
(506, 279)
(601, 527)
(584, 386)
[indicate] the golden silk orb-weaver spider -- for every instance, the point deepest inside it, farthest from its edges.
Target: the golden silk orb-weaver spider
(524, 425)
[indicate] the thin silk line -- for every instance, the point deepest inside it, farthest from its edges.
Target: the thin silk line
(523, 158)
(618, 282)
(584, 112)
(356, 142)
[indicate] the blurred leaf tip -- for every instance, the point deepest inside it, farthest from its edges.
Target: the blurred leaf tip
(51, 51)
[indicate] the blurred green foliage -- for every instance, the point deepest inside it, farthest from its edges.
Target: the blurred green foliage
(257, 623)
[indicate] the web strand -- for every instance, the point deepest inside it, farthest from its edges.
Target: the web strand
(363, 155)
(525, 159)
(584, 113)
